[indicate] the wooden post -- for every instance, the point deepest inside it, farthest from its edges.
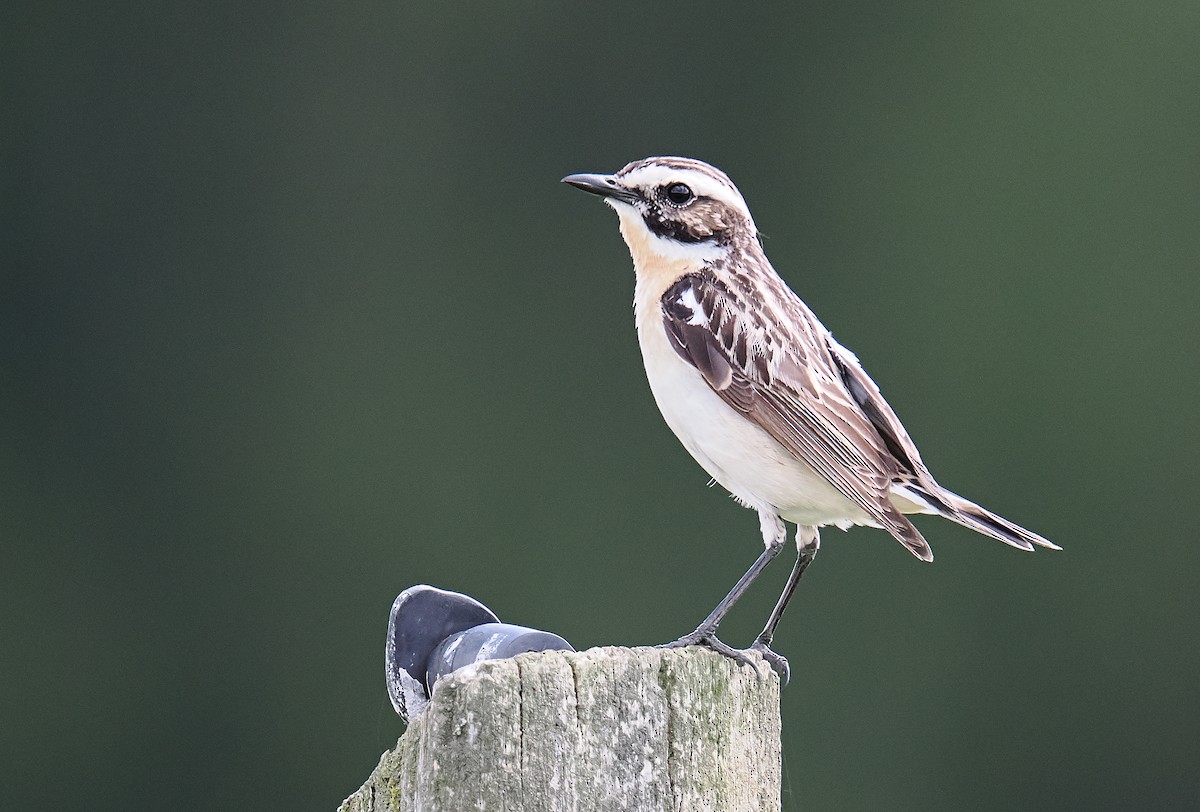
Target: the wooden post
(645, 729)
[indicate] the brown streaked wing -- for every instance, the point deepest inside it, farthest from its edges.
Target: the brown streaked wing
(805, 409)
(871, 403)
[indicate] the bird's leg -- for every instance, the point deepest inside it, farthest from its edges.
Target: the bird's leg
(774, 535)
(808, 540)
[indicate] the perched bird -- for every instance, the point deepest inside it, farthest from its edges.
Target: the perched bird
(756, 388)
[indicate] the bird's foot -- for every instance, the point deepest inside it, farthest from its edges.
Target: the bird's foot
(778, 662)
(709, 640)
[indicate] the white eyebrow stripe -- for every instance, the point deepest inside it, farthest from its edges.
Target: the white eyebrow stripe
(702, 183)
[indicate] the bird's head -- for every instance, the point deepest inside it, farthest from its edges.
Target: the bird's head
(674, 209)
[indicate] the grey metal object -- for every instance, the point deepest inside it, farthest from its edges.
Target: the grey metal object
(490, 641)
(433, 632)
(423, 616)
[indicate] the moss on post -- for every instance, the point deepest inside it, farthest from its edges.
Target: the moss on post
(610, 728)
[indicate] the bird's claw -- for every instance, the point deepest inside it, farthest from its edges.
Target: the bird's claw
(699, 637)
(778, 662)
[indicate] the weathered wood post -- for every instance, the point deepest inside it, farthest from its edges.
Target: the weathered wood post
(652, 730)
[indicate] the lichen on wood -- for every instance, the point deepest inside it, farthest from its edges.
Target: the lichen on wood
(605, 729)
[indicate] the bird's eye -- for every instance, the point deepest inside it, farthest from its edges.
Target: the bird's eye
(679, 194)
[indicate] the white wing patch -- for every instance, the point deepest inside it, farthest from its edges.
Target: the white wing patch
(688, 299)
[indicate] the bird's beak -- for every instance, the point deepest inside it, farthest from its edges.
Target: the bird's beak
(603, 185)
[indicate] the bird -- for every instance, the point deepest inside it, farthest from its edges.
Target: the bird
(758, 391)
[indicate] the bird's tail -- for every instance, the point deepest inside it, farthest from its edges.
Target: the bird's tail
(981, 520)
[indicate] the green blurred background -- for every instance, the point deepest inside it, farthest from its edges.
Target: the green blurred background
(294, 314)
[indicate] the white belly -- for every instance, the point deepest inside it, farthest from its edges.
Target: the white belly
(738, 454)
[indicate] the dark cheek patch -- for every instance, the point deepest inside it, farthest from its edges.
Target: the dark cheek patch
(703, 220)
(673, 229)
